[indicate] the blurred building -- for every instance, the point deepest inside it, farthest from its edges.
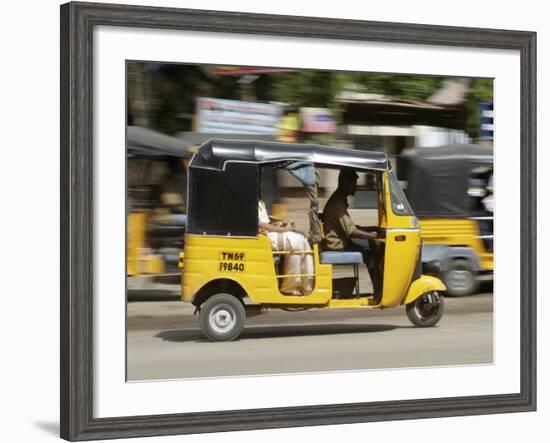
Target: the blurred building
(379, 122)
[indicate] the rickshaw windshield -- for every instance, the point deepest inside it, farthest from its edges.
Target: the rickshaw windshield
(399, 202)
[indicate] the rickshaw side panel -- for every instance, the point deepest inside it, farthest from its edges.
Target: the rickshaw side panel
(249, 263)
(487, 263)
(402, 251)
(457, 232)
(136, 240)
(139, 264)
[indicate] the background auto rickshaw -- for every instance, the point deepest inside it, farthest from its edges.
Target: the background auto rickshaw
(450, 190)
(156, 204)
(230, 270)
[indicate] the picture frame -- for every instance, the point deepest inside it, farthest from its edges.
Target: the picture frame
(78, 21)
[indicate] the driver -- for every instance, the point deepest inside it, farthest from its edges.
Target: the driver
(341, 234)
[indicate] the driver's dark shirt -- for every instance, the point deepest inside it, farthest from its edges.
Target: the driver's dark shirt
(337, 223)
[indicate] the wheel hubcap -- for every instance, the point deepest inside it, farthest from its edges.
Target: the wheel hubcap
(427, 306)
(222, 319)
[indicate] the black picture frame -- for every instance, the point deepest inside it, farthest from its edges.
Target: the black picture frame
(77, 24)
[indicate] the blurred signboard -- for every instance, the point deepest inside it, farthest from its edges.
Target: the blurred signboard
(318, 120)
(486, 125)
(216, 115)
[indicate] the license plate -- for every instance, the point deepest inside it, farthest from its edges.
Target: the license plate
(231, 261)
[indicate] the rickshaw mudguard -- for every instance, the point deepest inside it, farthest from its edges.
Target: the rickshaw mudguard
(422, 285)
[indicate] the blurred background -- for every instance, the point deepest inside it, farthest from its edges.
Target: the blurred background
(437, 131)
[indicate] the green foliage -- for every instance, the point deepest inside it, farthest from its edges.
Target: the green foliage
(307, 88)
(319, 88)
(317, 139)
(405, 87)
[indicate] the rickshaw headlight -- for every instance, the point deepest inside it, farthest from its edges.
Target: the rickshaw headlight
(415, 222)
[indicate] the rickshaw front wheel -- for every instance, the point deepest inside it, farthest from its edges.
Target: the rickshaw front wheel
(222, 317)
(426, 310)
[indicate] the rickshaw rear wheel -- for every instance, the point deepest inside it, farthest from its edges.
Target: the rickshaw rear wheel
(426, 310)
(222, 317)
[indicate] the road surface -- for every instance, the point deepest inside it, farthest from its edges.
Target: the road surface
(164, 341)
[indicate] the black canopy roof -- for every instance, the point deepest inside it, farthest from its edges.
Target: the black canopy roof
(146, 142)
(438, 178)
(215, 154)
(475, 154)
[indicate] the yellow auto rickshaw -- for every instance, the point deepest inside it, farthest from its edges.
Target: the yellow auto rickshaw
(156, 205)
(450, 189)
(231, 271)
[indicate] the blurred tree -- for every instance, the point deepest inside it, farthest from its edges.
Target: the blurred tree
(263, 87)
(307, 88)
(320, 88)
(137, 97)
(174, 90)
(162, 96)
(313, 88)
(406, 87)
